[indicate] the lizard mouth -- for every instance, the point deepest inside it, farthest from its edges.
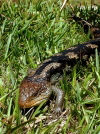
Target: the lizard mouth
(30, 103)
(34, 101)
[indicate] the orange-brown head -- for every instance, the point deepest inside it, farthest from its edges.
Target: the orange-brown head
(33, 92)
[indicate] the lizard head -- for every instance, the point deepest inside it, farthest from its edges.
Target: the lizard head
(32, 93)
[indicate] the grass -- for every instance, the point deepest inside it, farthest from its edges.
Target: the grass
(31, 31)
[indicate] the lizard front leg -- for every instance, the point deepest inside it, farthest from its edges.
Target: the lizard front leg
(59, 99)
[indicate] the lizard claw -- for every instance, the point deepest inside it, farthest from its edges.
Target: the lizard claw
(58, 111)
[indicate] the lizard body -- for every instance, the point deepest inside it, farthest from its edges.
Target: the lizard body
(38, 86)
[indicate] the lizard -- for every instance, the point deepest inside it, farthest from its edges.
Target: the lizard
(38, 86)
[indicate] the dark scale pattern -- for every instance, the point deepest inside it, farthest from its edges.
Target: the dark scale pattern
(58, 62)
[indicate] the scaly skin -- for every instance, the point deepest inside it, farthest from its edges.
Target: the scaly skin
(38, 86)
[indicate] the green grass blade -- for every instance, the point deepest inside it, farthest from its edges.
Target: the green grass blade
(8, 45)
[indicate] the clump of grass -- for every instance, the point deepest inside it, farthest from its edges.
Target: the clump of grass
(31, 31)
